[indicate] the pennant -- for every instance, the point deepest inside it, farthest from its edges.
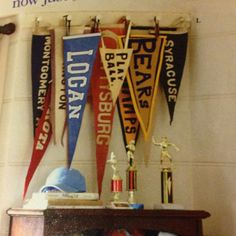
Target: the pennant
(79, 57)
(103, 109)
(127, 115)
(4, 45)
(40, 74)
(58, 100)
(41, 94)
(143, 77)
(172, 68)
(115, 63)
(58, 112)
(128, 118)
(41, 140)
(103, 115)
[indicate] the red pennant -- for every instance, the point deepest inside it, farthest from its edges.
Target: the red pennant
(103, 110)
(41, 93)
(42, 137)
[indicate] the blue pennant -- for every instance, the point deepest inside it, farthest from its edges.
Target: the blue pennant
(79, 56)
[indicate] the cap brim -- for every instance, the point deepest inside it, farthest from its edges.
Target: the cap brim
(62, 188)
(50, 186)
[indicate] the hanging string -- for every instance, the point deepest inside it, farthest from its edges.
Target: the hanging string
(128, 35)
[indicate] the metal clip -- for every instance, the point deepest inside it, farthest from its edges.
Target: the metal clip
(157, 28)
(67, 19)
(96, 23)
(36, 24)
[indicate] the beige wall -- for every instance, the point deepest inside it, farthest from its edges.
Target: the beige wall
(203, 127)
(213, 94)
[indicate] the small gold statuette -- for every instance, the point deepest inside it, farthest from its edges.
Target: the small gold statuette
(166, 166)
(131, 173)
(116, 181)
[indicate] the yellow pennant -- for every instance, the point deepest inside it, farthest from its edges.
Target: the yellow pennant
(143, 76)
(115, 63)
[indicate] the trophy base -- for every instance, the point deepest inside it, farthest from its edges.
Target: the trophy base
(168, 206)
(137, 206)
(119, 205)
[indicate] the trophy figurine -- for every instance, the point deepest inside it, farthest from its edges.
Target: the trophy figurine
(116, 181)
(131, 173)
(166, 172)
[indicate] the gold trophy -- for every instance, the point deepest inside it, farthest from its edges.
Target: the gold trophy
(166, 166)
(131, 173)
(116, 181)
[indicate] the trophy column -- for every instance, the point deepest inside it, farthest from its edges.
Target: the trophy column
(131, 183)
(166, 170)
(166, 186)
(131, 173)
(116, 181)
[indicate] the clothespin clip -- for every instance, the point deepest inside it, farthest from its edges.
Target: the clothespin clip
(67, 19)
(8, 28)
(157, 28)
(96, 23)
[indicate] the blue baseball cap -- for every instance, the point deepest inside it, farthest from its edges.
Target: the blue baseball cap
(65, 180)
